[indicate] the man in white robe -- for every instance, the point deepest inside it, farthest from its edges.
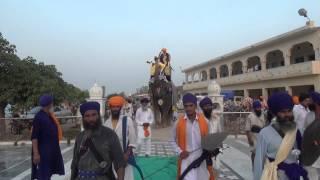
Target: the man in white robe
(301, 110)
(115, 122)
(144, 118)
(187, 133)
(270, 141)
(214, 123)
(254, 124)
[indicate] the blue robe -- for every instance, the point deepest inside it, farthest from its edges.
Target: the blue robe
(51, 162)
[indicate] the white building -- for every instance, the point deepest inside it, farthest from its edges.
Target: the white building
(290, 61)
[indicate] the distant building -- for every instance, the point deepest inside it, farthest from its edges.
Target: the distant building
(287, 62)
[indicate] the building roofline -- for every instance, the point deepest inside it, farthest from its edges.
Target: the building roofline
(295, 32)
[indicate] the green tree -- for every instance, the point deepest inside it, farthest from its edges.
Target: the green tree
(22, 82)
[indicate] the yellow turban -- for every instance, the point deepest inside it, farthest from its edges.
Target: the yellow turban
(116, 101)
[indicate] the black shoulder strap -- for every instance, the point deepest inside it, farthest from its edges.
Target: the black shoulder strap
(94, 150)
(124, 133)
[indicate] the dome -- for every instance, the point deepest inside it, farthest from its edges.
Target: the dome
(96, 91)
(214, 89)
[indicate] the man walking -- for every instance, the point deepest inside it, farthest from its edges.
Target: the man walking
(96, 149)
(277, 147)
(123, 127)
(255, 122)
(144, 119)
(187, 134)
(46, 133)
(301, 110)
(214, 124)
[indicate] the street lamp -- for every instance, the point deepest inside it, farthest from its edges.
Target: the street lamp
(304, 13)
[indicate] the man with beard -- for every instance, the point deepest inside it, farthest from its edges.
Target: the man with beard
(144, 119)
(277, 144)
(214, 125)
(96, 149)
(118, 122)
(46, 133)
(254, 124)
(187, 134)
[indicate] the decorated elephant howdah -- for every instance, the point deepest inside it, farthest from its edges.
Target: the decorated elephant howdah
(160, 89)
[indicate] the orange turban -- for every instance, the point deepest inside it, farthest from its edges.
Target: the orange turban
(116, 101)
(295, 99)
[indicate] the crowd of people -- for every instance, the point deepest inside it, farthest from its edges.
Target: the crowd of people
(106, 150)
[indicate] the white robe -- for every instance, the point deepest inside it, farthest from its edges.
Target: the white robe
(131, 139)
(144, 117)
(193, 144)
(215, 126)
(300, 114)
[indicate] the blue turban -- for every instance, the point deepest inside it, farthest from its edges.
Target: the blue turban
(315, 96)
(280, 101)
(256, 105)
(205, 101)
(45, 100)
(189, 98)
(89, 106)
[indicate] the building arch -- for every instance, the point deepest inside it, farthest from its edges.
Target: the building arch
(196, 77)
(237, 68)
(204, 75)
(213, 73)
(274, 59)
(302, 52)
(254, 64)
(224, 71)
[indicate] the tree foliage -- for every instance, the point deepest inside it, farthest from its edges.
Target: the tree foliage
(23, 81)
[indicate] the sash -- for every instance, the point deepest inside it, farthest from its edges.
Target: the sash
(57, 123)
(182, 139)
(270, 171)
(131, 159)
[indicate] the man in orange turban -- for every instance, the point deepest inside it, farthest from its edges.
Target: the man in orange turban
(120, 123)
(117, 101)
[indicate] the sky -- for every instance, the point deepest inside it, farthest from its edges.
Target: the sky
(109, 42)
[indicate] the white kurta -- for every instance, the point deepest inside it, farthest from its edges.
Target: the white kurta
(268, 143)
(300, 114)
(193, 143)
(254, 120)
(131, 139)
(144, 117)
(215, 126)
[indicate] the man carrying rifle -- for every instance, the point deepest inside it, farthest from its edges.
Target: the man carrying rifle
(96, 149)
